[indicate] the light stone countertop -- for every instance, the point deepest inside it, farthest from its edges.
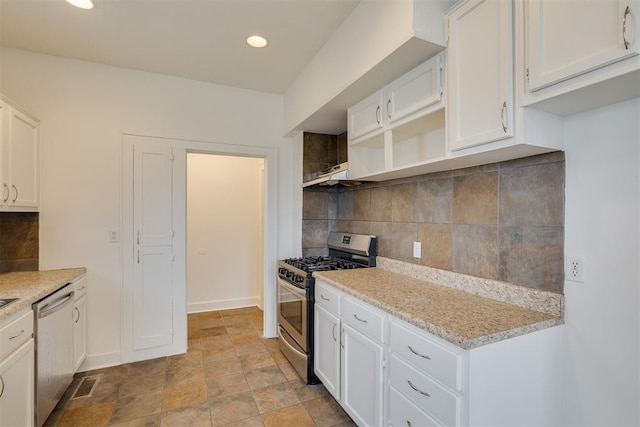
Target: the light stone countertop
(462, 318)
(32, 286)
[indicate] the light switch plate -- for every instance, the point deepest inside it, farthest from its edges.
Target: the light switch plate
(417, 249)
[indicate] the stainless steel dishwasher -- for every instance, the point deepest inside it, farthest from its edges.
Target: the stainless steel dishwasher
(54, 349)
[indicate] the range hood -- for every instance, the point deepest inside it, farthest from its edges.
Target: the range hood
(338, 174)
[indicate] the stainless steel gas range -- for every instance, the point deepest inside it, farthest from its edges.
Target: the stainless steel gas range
(296, 294)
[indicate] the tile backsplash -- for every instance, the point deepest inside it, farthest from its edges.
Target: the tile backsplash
(502, 221)
(18, 241)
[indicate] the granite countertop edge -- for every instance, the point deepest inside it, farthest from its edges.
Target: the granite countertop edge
(466, 343)
(31, 286)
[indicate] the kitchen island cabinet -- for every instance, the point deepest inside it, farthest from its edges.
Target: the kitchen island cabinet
(441, 356)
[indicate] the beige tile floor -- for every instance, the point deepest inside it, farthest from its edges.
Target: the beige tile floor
(229, 377)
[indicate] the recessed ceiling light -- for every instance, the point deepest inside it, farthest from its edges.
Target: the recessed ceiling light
(254, 41)
(82, 4)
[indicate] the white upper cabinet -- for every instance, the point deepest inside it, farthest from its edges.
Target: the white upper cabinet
(406, 97)
(480, 73)
(566, 38)
(20, 166)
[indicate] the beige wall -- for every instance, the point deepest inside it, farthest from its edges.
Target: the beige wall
(502, 221)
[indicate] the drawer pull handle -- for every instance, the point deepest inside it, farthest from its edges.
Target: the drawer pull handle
(324, 298)
(2, 391)
(333, 332)
(359, 319)
(16, 336)
(378, 114)
(627, 12)
(424, 356)
(424, 393)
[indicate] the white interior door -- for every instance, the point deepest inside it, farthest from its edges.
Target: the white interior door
(153, 298)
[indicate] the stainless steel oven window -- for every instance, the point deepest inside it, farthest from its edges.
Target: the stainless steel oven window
(292, 311)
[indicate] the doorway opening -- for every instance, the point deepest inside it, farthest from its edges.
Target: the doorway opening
(225, 232)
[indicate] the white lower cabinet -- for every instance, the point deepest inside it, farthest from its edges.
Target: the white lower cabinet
(17, 371)
(362, 370)
(327, 350)
(385, 371)
(79, 323)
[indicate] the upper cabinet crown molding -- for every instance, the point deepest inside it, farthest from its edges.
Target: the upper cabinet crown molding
(378, 42)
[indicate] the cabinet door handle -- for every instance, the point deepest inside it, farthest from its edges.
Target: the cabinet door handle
(333, 332)
(324, 298)
(138, 237)
(16, 190)
(5, 199)
(342, 338)
(424, 393)
(627, 12)
(389, 107)
(2, 391)
(424, 356)
(359, 319)
(502, 116)
(17, 335)
(409, 423)
(77, 311)
(378, 114)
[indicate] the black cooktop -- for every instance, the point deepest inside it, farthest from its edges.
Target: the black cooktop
(317, 263)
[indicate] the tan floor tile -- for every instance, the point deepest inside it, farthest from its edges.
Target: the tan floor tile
(308, 392)
(279, 357)
(208, 315)
(288, 371)
(233, 408)
(293, 416)
(211, 323)
(103, 392)
(148, 367)
(326, 412)
(256, 360)
(149, 421)
(262, 377)
(225, 385)
(245, 336)
(196, 416)
(213, 342)
(132, 407)
(185, 375)
(213, 332)
(90, 416)
(186, 360)
(216, 368)
(250, 346)
(247, 422)
(275, 397)
(272, 344)
(184, 395)
(143, 384)
(222, 352)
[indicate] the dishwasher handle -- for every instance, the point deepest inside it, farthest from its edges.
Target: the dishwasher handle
(55, 306)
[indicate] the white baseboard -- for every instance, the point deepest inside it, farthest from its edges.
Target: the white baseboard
(99, 361)
(197, 307)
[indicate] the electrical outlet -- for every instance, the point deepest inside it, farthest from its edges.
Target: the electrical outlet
(113, 236)
(417, 249)
(574, 270)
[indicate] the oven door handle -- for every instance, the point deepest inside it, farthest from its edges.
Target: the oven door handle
(299, 292)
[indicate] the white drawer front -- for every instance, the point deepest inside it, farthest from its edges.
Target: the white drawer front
(426, 355)
(16, 333)
(363, 318)
(80, 287)
(424, 392)
(327, 297)
(403, 413)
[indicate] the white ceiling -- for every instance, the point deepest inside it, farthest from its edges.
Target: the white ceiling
(195, 39)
